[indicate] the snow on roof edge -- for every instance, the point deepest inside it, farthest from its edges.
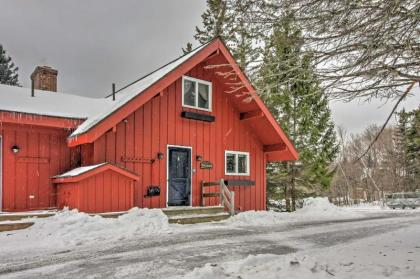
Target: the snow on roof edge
(79, 170)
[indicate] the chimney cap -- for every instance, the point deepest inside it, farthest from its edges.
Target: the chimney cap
(44, 69)
(44, 78)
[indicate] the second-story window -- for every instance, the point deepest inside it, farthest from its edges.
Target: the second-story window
(196, 93)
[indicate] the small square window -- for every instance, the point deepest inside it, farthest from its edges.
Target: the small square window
(236, 163)
(196, 93)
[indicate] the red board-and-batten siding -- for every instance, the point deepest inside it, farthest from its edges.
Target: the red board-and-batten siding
(43, 153)
(158, 123)
(104, 189)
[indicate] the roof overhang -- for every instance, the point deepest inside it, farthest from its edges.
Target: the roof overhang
(39, 120)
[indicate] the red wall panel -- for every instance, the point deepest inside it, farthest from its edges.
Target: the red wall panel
(26, 175)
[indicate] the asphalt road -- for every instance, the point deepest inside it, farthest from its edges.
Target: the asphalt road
(175, 254)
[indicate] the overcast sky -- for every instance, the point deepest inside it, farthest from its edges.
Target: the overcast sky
(93, 43)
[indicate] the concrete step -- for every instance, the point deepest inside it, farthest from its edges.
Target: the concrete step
(199, 218)
(187, 210)
(13, 226)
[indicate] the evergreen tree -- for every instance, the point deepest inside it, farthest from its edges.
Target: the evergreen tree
(217, 22)
(225, 19)
(293, 94)
(407, 141)
(8, 70)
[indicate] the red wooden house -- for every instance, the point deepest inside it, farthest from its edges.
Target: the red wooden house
(151, 144)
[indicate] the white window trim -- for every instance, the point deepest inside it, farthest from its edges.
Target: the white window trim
(196, 90)
(236, 153)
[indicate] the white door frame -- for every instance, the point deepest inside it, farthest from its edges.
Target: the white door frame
(1, 173)
(167, 171)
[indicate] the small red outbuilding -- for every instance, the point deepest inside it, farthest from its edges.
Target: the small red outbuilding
(95, 189)
(196, 119)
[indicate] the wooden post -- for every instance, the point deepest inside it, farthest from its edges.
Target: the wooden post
(202, 193)
(232, 203)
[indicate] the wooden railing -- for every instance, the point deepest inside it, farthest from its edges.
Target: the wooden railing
(227, 197)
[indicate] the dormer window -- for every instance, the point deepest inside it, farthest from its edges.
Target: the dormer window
(196, 93)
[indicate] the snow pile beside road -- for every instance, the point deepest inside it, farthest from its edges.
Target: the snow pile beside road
(72, 228)
(313, 209)
(321, 207)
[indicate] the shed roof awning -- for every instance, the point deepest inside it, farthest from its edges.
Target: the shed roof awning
(85, 172)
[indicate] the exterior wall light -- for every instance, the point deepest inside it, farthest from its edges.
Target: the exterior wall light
(160, 155)
(199, 158)
(15, 149)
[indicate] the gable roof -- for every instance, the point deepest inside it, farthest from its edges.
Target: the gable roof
(276, 144)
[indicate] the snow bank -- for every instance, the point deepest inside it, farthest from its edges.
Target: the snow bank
(313, 209)
(321, 207)
(72, 228)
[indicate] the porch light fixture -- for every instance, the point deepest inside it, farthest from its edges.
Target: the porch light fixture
(15, 149)
(199, 158)
(160, 155)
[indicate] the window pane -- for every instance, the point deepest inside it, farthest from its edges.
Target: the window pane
(189, 93)
(230, 163)
(203, 96)
(242, 163)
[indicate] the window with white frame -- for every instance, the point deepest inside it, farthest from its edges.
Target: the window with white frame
(236, 163)
(196, 93)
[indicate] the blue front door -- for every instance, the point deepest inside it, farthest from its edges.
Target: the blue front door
(179, 172)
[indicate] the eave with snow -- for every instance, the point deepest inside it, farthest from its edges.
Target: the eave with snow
(142, 130)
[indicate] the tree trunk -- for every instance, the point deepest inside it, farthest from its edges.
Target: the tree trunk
(286, 198)
(293, 192)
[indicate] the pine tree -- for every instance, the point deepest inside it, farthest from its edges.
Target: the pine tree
(293, 94)
(407, 141)
(217, 22)
(225, 19)
(8, 70)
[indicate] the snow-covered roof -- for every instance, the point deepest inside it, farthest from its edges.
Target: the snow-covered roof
(19, 99)
(94, 110)
(79, 171)
(128, 93)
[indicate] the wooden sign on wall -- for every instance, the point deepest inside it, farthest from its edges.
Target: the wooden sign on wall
(206, 165)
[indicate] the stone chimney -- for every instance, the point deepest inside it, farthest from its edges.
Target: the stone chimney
(44, 78)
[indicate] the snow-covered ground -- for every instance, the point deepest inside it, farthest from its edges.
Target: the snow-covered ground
(390, 255)
(316, 241)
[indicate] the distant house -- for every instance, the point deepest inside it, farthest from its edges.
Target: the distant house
(153, 146)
